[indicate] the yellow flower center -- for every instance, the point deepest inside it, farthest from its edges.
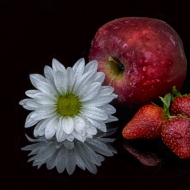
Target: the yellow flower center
(68, 105)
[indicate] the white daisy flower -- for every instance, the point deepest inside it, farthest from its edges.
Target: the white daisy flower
(70, 103)
(68, 154)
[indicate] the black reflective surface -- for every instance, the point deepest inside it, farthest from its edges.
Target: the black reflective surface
(31, 34)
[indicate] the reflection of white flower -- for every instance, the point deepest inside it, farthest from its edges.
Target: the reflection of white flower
(69, 103)
(68, 154)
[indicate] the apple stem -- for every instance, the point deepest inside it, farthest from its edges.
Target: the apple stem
(119, 64)
(116, 66)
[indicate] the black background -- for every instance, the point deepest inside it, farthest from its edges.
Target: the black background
(32, 32)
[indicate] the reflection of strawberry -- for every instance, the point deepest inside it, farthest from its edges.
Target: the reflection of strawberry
(146, 123)
(147, 159)
(180, 104)
(176, 135)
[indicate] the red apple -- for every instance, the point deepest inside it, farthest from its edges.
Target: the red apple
(142, 58)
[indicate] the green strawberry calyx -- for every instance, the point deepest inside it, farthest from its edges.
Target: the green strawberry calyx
(176, 93)
(167, 99)
(183, 115)
(166, 105)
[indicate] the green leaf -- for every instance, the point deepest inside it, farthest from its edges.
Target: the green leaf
(175, 92)
(166, 104)
(164, 101)
(167, 98)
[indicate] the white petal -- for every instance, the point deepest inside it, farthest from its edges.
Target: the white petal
(57, 66)
(83, 80)
(98, 101)
(78, 159)
(106, 90)
(100, 76)
(92, 92)
(100, 147)
(111, 118)
(23, 102)
(69, 144)
(36, 77)
(61, 82)
(90, 154)
(52, 162)
(47, 89)
(70, 79)
(40, 127)
(29, 121)
(31, 93)
(114, 95)
(89, 136)
(99, 125)
(46, 151)
(32, 104)
(92, 65)
(37, 116)
(79, 137)
(42, 139)
(70, 137)
(27, 107)
(45, 109)
(60, 160)
(49, 74)
(78, 67)
(109, 109)
(70, 162)
(60, 134)
(95, 113)
(37, 128)
(109, 132)
(31, 147)
(84, 89)
(51, 127)
(68, 125)
(42, 98)
(88, 164)
(91, 130)
(79, 124)
(42, 85)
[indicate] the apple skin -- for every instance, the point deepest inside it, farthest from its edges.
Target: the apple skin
(142, 58)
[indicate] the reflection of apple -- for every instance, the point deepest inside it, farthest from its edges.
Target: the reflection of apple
(142, 58)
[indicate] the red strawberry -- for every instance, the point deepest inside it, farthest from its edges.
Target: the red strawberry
(180, 104)
(146, 123)
(176, 135)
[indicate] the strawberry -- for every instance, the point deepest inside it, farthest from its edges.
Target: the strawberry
(176, 135)
(146, 123)
(180, 103)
